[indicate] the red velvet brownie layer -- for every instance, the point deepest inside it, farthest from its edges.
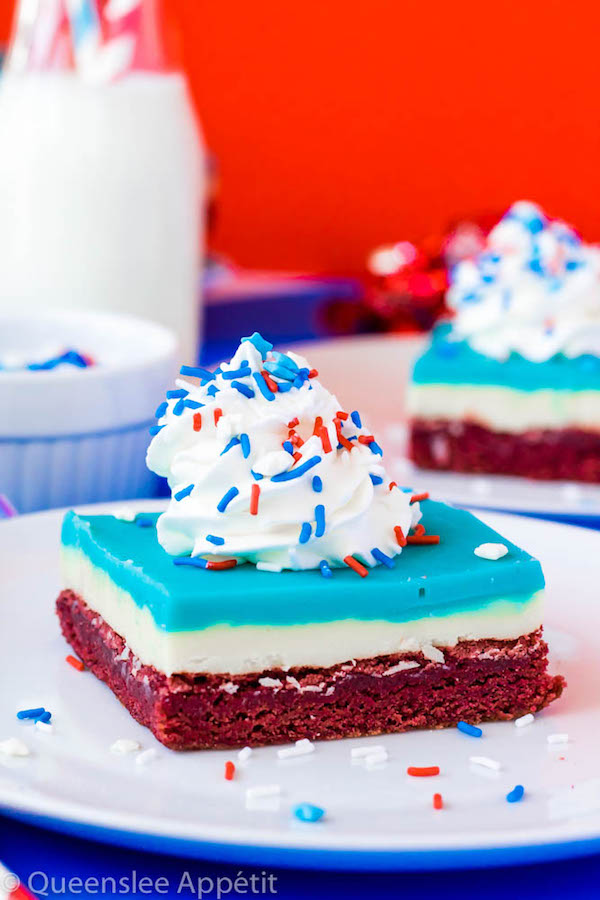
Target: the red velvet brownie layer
(478, 681)
(570, 453)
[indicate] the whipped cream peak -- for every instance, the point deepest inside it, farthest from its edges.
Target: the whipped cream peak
(533, 290)
(265, 466)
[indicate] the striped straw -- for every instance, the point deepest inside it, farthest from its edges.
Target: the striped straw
(11, 887)
(7, 510)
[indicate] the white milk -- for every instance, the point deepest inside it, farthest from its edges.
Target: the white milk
(101, 194)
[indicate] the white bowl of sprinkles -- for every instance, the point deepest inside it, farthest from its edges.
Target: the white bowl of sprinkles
(77, 396)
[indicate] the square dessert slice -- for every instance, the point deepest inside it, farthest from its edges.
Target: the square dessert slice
(512, 384)
(224, 658)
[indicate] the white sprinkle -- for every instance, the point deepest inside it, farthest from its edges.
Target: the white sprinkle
(491, 551)
(486, 762)
(124, 745)
(366, 750)
(14, 747)
(559, 738)
(263, 790)
(270, 682)
(146, 756)
(45, 726)
(268, 567)
(433, 653)
(300, 748)
(245, 754)
(229, 687)
(401, 666)
(125, 513)
(375, 759)
(522, 721)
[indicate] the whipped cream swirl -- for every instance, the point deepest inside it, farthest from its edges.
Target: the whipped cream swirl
(265, 467)
(534, 290)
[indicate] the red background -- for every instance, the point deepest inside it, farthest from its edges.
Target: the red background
(339, 124)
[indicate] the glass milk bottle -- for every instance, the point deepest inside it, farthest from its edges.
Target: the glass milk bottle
(101, 168)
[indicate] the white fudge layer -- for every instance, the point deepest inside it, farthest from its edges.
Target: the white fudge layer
(505, 409)
(237, 650)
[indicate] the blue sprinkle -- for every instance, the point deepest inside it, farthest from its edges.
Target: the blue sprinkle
(242, 388)
(306, 812)
(45, 716)
(325, 570)
(286, 361)
(572, 264)
(263, 386)
(227, 498)
(382, 557)
(280, 371)
(375, 448)
(191, 404)
(284, 387)
(376, 479)
(161, 409)
(471, 730)
(173, 395)
(245, 442)
(197, 372)
(237, 373)
(516, 794)
(212, 390)
(179, 407)
(287, 445)
(30, 713)
(184, 492)
(470, 297)
(305, 532)
(320, 520)
(154, 429)
(488, 278)
(317, 484)
(144, 521)
(190, 561)
(215, 539)
(297, 471)
(256, 475)
(260, 343)
(536, 266)
(355, 416)
(232, 443)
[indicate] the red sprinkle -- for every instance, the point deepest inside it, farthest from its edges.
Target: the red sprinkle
(272, 385)
(254, 495)
(344, 441)
(366, 438)
(438, 803)
(221, 564)
(217, 414)
(324, 435)
(416, 498)
(313, 373)
(197, 421)
(76, 663)
(293, 423)
(358, 567)
(318, 424)
(400, 536)
(423, 771)
(392, 485)
(229, 770)
(342, 415)
(297, 456)
(423, 539)
(419, 529)
(295, 439)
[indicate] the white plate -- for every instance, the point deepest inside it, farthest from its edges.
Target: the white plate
(378, 818)
(371, 373)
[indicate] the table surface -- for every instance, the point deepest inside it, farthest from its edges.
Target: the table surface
(26, 849)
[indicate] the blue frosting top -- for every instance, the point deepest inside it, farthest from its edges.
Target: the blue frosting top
(427, 580)
(448, 361)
